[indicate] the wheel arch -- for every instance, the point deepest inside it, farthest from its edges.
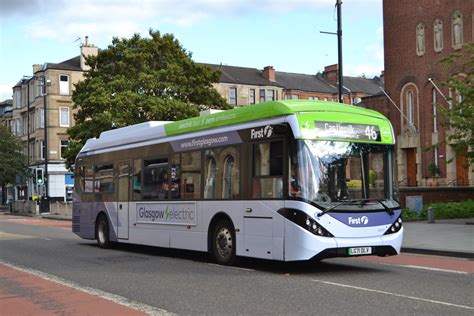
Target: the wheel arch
(215, 219)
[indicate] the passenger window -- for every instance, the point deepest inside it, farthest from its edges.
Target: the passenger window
(155, 179)
(222, 173)
(104, 178)
(268, 170)
(88, 179)
(137, 180)
(191, 175)
(175, 177)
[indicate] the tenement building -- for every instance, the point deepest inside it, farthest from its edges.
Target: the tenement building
(243, 86)
(43, 100)
(417, 34)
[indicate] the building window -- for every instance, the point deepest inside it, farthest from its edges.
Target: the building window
(438, 35)
(420, 39)
(64, 146)
(262, 96)
(410, 107)
(64, 117)
(325, 99)
(64, 84)
(41, 118)
(42, 149)
(435, 119)
(457, 32)
(233, 96)
(252, 96)
(271, 95)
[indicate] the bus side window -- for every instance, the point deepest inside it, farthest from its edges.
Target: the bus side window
(210, 174)
(88, 179)
(104, 178)
(268, 170)
(137, 180)
(175, 177)
(191, 175)
(155, 179)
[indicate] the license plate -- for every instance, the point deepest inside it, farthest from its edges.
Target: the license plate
(360, 251)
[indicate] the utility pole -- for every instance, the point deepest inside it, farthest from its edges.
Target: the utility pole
(46, 149)
(339, 48)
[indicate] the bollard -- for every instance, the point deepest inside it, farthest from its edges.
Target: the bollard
(431, 215)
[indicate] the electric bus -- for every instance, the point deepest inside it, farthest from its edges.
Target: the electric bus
(283, 180)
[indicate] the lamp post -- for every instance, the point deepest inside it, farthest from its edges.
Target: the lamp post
(45, 83)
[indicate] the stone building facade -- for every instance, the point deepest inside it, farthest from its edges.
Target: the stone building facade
(51, 84)
(417, 34)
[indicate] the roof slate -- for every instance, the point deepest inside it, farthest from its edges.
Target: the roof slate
(295, 81)
(70, 64)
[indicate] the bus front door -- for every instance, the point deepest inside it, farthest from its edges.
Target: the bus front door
(123, 191)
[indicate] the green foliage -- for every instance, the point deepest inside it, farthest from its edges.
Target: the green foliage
(136, 80)
(449, 210)
(461, 115)
(12, 160)
(433, 169)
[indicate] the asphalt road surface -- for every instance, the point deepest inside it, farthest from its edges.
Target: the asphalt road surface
(45, 269)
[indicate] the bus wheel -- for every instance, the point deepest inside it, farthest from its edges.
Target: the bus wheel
(102, 232)
(223, 243)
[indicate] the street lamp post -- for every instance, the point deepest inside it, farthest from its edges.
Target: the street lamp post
(45, 83)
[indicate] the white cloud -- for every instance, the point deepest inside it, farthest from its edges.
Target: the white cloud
(5, 92)
(103, 19)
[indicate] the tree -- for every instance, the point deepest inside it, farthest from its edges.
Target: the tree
(136, 80)
(12, 160)
(460, 115)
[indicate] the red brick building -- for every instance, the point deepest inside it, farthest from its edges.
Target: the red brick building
(416, 35)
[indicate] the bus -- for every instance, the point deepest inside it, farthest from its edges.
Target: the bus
(286, 180)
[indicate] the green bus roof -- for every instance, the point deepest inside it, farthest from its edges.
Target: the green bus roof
(262, 111)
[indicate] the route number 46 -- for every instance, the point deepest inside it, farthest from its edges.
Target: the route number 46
(370, 132)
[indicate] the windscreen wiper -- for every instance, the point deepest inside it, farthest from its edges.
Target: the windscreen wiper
(386, 208)
(362, 203)
(348, 202)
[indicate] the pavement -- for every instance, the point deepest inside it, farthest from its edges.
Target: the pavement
(452, 238)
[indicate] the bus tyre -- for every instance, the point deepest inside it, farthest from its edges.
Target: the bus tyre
(102, 232)
(223, 243)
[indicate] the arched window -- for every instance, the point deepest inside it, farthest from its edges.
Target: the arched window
(227, 177)
(435, 119)
(410, 107)
(438, 35)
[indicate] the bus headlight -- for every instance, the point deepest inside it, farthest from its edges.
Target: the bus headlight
(303, 220)
(396, 226)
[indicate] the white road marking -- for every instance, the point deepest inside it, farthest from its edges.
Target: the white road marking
(150, 310)
(435, 269)
(230, 267)
(393, 294)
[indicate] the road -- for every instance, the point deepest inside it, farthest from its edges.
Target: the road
(45, 270)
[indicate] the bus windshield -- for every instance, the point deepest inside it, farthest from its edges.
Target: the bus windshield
(330, 172)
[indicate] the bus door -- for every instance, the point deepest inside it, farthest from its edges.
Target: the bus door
(123, 191)
(267, 195)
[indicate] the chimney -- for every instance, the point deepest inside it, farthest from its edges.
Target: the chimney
(330, 73)
(382, 76)
(36, 68)
(86, 50)
(269, 73)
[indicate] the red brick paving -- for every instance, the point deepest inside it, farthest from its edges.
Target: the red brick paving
(22, 293)
(36, 221)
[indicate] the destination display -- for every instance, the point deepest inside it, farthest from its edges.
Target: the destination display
(347, 131)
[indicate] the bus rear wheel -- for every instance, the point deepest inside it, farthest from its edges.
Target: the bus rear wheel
(223, 243)
(102, 232)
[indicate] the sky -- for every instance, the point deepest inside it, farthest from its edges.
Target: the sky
(282, 33)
